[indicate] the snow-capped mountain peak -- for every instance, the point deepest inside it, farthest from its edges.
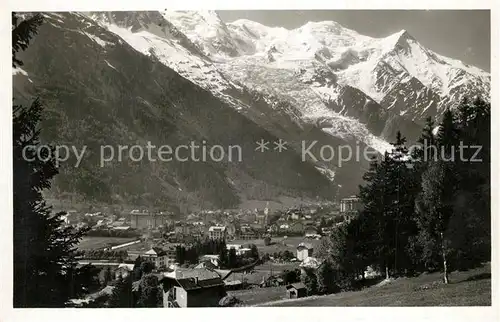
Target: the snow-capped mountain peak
(325, 69)
(206, 30)
(321, 56)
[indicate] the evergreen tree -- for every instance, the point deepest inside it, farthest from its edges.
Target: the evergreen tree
(405, 187)
(45, 271)
(448, 137)
(385, 222)
(325, 276)
(427, 151)
(311, 282)
(462, 190)
(324, 249)
(149, 291)
(267, 240)
(122, 293)
(232, 260)
(435, 207)
(147, 267)
(180, 254)
(470, 229)
(107, 276)
(223, 256)
(136, 272)
(23, 30)
(254, 252)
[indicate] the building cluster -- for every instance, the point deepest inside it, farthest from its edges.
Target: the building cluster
(161, 235)
(217, 224)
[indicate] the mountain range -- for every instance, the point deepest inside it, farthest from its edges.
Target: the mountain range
(110, 78)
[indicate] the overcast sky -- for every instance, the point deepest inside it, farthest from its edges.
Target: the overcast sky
(460, 34)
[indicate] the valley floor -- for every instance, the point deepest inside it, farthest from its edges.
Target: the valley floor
(470, 288)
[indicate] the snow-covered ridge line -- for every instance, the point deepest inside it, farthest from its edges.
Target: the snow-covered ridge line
(165, 45)
(310, 65)
(354, 57)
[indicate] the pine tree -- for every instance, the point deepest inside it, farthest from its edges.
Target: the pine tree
(122, 293)
(447, 136)
(107, 276)
(23, 30)
(136, 272)
(428, 150)
(435, 207)
(45, 271)
(223, 256)
(386, 219)
(232, 260)
(149, 291)
(324, 249)
(405, 188)
(311, 282)
(254, 252)
(463, 192)
(470, 229)
(372, 198)
(147, 267)
(325, 276)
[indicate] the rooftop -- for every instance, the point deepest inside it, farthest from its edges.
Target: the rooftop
(185, 273)
(192, 279)
(305, 245)
(353, 198)
(155, 251)
(191, 284)
(311, 262)
(217, 228)
(209, 256)
(297, 286)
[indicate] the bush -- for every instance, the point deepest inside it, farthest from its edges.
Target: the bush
(267, 241)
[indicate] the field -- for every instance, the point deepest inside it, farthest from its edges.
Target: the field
(471, 288)
(277, 267)
(279, 244)
(264, 271)
(259, 295)
(91, 242)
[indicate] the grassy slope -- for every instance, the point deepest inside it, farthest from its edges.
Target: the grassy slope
(471, 288)
(259, 295)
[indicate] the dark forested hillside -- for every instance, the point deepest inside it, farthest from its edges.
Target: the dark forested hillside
(99, 91)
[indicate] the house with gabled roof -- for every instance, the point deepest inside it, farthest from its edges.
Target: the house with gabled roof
(296, 290)
(304, 250)
(159, 257)
(197, 287)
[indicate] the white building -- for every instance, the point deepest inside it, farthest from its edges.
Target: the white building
(240, 250)
(159, 257)
(213, 259)
(217, 232)
(304, 250)
(350, 205)
(235, 246)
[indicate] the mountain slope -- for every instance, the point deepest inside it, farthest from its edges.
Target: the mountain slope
(100, 91)
(152, 35)
(171, 77)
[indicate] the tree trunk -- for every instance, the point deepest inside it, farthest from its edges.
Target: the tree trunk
(387, 272)
(445, 266)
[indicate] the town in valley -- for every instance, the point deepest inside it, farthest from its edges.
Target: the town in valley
(260, 248)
